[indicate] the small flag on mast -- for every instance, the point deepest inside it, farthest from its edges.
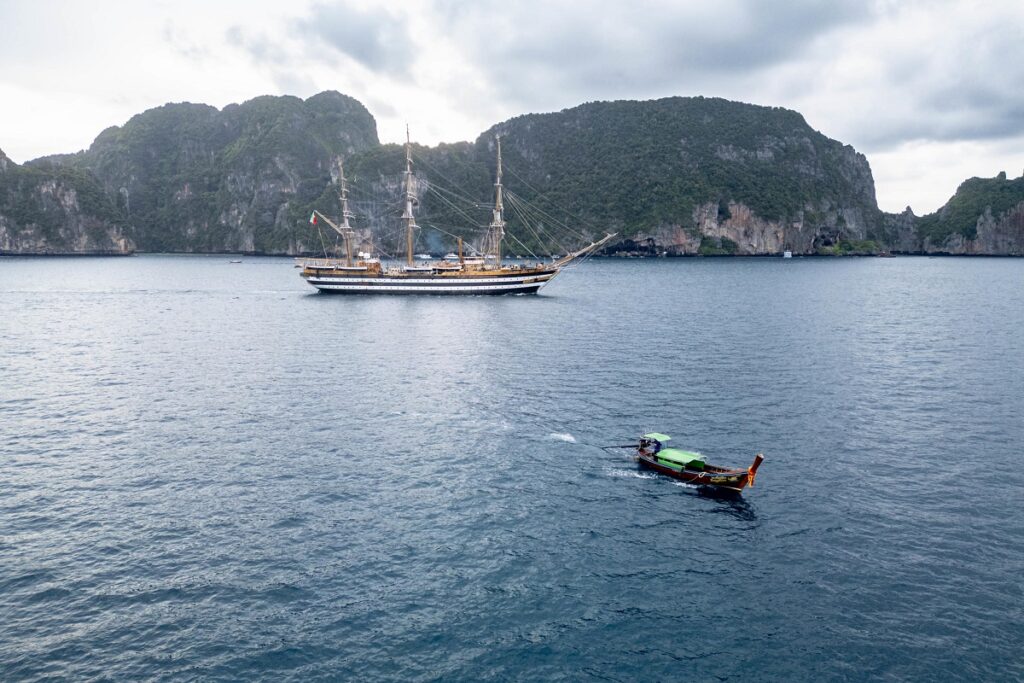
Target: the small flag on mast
(312, 218)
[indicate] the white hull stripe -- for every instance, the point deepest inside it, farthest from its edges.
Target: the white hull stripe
(436, 287)
(428, 282)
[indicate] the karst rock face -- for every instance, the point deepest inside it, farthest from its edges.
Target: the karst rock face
(697, 175)
(47, 209)
(192, 178)
(676, 176)
(984, 218)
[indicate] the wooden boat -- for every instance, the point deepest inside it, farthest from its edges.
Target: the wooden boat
(691, 467)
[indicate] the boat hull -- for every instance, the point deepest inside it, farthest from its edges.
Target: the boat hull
(714, 478)
(527, 283)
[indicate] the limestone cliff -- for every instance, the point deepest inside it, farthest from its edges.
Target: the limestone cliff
(192, 178)
(984, 218)
(739, 231)
(678, 175)
(54, 210)
(697, 176)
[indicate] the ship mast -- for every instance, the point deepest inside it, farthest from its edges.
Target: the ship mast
(410, 220)
(347, 233)
(497, 227)
(345, 229)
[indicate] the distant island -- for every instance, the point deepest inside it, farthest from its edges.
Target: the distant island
(676, 176)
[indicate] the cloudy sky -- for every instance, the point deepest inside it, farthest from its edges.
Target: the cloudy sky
(932, 92)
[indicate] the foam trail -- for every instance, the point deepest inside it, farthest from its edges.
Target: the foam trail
(629, 473)
(563, 436)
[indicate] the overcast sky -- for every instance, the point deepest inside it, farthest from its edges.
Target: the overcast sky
(932, 92)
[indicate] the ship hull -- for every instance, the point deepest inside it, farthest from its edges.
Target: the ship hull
(716, 478)
(711, 478)
(529, 283)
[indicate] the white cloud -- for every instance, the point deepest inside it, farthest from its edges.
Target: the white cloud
(928, 90)
(68, 70)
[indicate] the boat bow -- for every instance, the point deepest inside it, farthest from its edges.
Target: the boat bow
(752, 470)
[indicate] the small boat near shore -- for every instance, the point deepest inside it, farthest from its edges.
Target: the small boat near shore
(690, 466)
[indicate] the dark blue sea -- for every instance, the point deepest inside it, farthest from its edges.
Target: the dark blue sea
(208, 471)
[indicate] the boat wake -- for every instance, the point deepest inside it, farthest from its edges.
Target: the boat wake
(563, 436)
(615, 472)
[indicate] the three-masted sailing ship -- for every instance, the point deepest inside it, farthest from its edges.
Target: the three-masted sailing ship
(481, 274)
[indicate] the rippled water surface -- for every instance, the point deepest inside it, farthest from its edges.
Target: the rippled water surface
(209, 471)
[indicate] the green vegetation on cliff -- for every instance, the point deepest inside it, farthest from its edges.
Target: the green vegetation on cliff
(851, 248)
(26, 202)
(635, 167)
(722, 246)
(973, 199)
(188, 177)
(44, 205)
(685, 175)
(646, 163)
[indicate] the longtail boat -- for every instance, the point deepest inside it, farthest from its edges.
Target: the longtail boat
(691, 467)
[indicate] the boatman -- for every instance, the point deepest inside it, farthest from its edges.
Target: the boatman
(649, 446)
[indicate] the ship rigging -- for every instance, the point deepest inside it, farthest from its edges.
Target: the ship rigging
(484, 272)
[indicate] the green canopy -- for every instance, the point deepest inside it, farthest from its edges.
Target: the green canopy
(681, 457)
(658, 437)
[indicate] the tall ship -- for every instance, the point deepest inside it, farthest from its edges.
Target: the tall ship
(482, 273)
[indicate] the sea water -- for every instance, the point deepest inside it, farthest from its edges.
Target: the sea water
(210, 471)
